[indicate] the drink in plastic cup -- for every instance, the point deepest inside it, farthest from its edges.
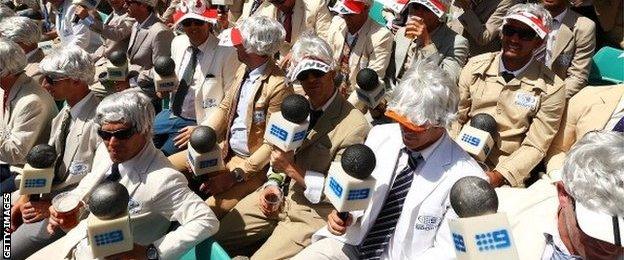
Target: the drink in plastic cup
(67, 206)
(274, 200)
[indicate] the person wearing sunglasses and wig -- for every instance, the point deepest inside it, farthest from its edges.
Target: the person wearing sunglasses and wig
(67, 73)
(158, 193)
(525, 97)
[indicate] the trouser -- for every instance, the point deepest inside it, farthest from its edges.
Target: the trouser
(30, 238)
(286, 233)
(166, 128)
(326, 249)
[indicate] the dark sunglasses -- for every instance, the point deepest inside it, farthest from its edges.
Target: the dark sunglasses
(121, 134)
(525, 35)
(50, 79)
(189, 22)
(315, 73)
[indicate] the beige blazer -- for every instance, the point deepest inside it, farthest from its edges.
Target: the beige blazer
(25, 121)
(482, 23)
(308, 15)
(372, 49)
(447, 45)
(115, 31)
(587, 111)
(268, 92)
(528, 111)
(220, 62)
(152, 40)
(81, 143)
(574, 47)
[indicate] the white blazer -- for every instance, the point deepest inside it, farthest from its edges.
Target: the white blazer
(422, 231)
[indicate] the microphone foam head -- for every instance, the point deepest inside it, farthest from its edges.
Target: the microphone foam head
(109, 200)
(358, 161)
(118, 58)
(367, 79)
(41, 156)
(295, 108)
(472, 196)
(484, 122)
(164, 66)
(203, 139)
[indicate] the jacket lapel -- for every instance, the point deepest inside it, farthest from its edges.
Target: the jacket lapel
(402, 44)
(139, 34)
(610, 100)
(80, 126)
(360, 46)
(326, 122)
(564, 35)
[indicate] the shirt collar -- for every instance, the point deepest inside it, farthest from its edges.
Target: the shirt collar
(139, 162)
(75, 110)
(143, 24)
(258, 71)
(428, 151)
(501, 67)
(329, 101)
(559, 17)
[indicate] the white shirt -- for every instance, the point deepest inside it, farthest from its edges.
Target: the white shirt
(618, 113)
(238, 139)
(555, 248)
(552, 36)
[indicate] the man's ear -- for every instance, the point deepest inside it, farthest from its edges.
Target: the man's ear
(562, 194)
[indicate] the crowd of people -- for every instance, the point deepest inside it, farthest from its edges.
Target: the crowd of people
(119, 88)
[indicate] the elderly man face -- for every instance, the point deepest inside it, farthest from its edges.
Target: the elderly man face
(58, 86)
(420, 139)
(318, 86)
(121, 140)
(196, 30)
(135, 9)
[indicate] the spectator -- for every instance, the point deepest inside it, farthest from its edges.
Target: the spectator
(425, 36)
(159, 194)
(256, 92)
(407, 216)
(334, 125)
(578, 217)
(68, 72)
(526, 98)
(207, 71)
(609, 18)
(71, 30)
(27, 34)
(594, 108)
(570, 45)
(481, 21)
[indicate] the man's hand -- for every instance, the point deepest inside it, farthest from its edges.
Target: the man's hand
(61, 221)
(162, 94)
(282, 161)
(336, 225)
(81, 11)
(182, 139)
(16, 217)
(222, 21)
(35, 211)
(219, 183)
(138, 252)
(496, 178)
(415, 28)
(285, 61)
(270, 200)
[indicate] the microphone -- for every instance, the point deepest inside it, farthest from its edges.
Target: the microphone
(477, 138)
(204, 155)
(38, 172)
(369, 91)
(108, 225)
(479, 232)
(117, 66)
(165, 78)
(349, 186)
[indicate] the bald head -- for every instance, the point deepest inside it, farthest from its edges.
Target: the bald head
(472, 196)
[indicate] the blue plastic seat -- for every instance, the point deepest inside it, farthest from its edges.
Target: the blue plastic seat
(607, 67)
(206, 250)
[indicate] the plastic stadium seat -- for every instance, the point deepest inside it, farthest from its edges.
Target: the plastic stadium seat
(607, 67)
(103, 16)
(206, 250)
(375, 13)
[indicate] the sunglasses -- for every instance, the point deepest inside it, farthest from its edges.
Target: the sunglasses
(189, 22)
(306, 74)
(50, 79)
(121, 134)
(523, 34)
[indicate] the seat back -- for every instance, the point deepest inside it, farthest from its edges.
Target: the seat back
(607, 67)
(208, 249)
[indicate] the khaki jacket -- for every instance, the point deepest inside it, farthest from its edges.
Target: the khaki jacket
(149, 42)
(482, 24)
(528, 111)
(372, 49)
(574, 47)
(587, 111)
(25, 121)
(269, 91)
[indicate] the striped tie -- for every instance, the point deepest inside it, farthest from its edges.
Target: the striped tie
(379, 235)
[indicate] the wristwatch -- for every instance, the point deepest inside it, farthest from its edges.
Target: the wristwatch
(152, 252)
(239, 175)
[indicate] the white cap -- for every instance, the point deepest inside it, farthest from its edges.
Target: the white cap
(438, 7)
(230, 37)
(600, 225)
(531, 20)
(309, 64)
(349, 6)
(194, 9)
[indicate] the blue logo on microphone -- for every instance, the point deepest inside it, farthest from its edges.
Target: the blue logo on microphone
(458, 240)
(335, 187)
(109, 238)
(471, 140)
(207, 163)
(34, 183)
(299, 136)
(278, 132)
(498, 239)
(358, 194)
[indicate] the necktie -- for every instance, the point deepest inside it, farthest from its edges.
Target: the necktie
(114, 176)
(288, 25)
(345, 69)
(59, 172)
(619, 127)
(254, 6)
(380, 233)
(187, 77)
(507, 76)
(314, 117)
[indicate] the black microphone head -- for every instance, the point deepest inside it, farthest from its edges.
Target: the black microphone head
(295, 108)
(472, 196)
(118, 58)
(164, 66)
(367, 79)
(203, 139)
(41, 156)
(358, 160)
(109, 200)
(484, 122)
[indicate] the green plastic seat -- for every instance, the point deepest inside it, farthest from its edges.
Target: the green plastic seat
(607, 67)
(206, 250)
(103, 16)
(375, 13)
